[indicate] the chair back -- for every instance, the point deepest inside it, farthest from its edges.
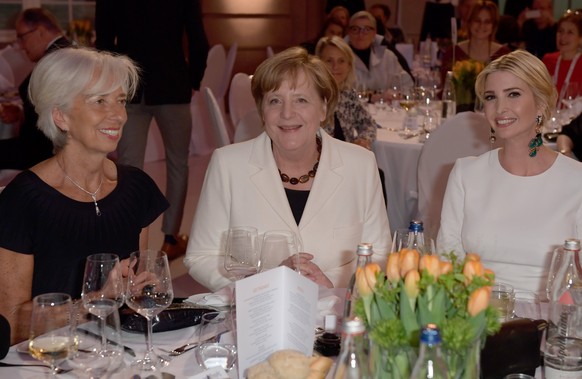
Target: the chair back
(249, 127)
(215, 66)
(270, 52)
(216, 119)
(229, 64)
(465, 134)
(240, 97)
(7, 175)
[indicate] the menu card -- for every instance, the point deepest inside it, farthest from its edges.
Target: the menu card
(275, 310)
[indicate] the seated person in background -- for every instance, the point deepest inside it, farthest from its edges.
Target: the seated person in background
(564, 65)
(340, 13)
(392, 35)
(351, 121)
(497, 205)
(539, 33)
(78, 202)
(375, 65)
(351, 6)
(331, 27)
(335, 204)
(508, 33)
(38, 33)
(569, 142)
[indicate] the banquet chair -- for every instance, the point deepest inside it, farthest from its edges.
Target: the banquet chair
(240, 98)
(214, 73)
(270, 52)
(229, 64)
(216, 119)
(7, 175)
(465, 134)
(249, 127)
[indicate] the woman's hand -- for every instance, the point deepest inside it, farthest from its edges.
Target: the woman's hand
(302, 263)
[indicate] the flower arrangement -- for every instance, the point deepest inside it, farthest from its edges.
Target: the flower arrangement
(81, 31)
(415, 291)
(464, 76)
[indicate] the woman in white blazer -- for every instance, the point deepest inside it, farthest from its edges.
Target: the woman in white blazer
(293, 177)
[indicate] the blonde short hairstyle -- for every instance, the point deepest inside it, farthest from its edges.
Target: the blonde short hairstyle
(345, 49)
(532, 71)
(364, 14)
(287, 65)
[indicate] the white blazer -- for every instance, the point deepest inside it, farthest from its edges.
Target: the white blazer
(242, 187)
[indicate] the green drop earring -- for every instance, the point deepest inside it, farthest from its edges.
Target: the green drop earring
(536, 142)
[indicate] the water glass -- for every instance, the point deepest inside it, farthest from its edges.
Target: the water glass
(526, 304)
(502, 298)
(278, 246)
(217, 341)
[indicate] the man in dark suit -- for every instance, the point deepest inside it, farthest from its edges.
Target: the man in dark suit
(36, 28)
(151, 33)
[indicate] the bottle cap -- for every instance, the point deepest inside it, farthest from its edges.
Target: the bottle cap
(330, 323)
(354, 326)
(416, 226)
(430, 335)
(365, 248)
(572, 244)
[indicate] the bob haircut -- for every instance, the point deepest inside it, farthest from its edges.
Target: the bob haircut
(345, 49)
(287, 65)
(66, 73)
(366, 15)
(490, 7)
(532, 71)
(575, 17)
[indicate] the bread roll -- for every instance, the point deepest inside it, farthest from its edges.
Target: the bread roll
(290, 364)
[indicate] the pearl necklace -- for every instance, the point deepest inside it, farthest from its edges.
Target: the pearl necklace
(92, 194)
(303, 178)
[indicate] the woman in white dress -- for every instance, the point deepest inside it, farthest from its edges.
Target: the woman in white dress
(516, 204)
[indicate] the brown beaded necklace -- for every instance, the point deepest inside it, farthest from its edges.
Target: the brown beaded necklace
(311, 174)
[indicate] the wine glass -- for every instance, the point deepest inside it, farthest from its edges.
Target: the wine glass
(149, 291)
(363, 94)
(278, 246)
(50, 334)
(102, 292)
(568, 97)
(409, 100)
(394, 87)
(242, 256)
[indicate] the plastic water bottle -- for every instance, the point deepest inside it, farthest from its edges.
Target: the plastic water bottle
(416, 237)
(430, 363)
(352, 362)
(448, 97)
(563, 350)
(364, 253)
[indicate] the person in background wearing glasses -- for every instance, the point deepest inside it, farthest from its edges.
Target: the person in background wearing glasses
(38, 33)
(375, 64)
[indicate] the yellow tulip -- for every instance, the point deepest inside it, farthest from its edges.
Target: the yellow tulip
(392, 268)
(411, 284)
(472, 269)
(445, 267)
(366, 278)
(478, 300)
(430, 263)
(408, 261)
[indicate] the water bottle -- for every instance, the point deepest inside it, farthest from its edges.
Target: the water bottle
(430, 363)
(416, 237)
(353, 362)
(448, 97)
(364, 253)
(563, 349)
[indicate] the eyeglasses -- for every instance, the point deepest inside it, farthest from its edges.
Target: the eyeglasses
(360, 29)
(20, 37)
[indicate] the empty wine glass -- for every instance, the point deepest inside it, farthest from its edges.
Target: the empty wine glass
(363, 94)
(242, 257)
(50, 334)
(149, 291)
(568, 97)
(102, 290)
(394, 91)
(278, 246)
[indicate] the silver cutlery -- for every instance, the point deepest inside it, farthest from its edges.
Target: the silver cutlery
(58, 369)
(180, 350)
(127, 349)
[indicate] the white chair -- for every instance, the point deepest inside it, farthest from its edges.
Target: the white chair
(463, 135)
(240, 97)
(270, 52)
(215, 66)
(216, 119)
(248, 127)
(230, 58)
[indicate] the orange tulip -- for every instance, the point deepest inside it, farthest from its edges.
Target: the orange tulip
(478, 300)
(366, 278)
(411, 284)
(445, 267)
(431, 264)
(408, 261)
(472, 269)
(392, 267)
(472, 257)
(490, 273)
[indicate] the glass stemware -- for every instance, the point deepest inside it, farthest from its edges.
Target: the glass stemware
(149, 291)
(568, 96)
(50, 334)
(242, 256)
(278, 246)
(102, 292)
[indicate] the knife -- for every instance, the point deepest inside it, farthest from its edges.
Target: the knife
(127, 349)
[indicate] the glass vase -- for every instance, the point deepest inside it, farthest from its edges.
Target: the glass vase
(391, 364)
(465, 365)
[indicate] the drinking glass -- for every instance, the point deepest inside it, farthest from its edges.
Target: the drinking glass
(568, 95)
(102, 292)
(502, 299)
(242, 257)
(149, 291)
(278, 246)
(394, 87)
(399, 240)
(217, 343)
(50, 333)
(525, 304)
(90, 356)
(430, 121)
(363, 94)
